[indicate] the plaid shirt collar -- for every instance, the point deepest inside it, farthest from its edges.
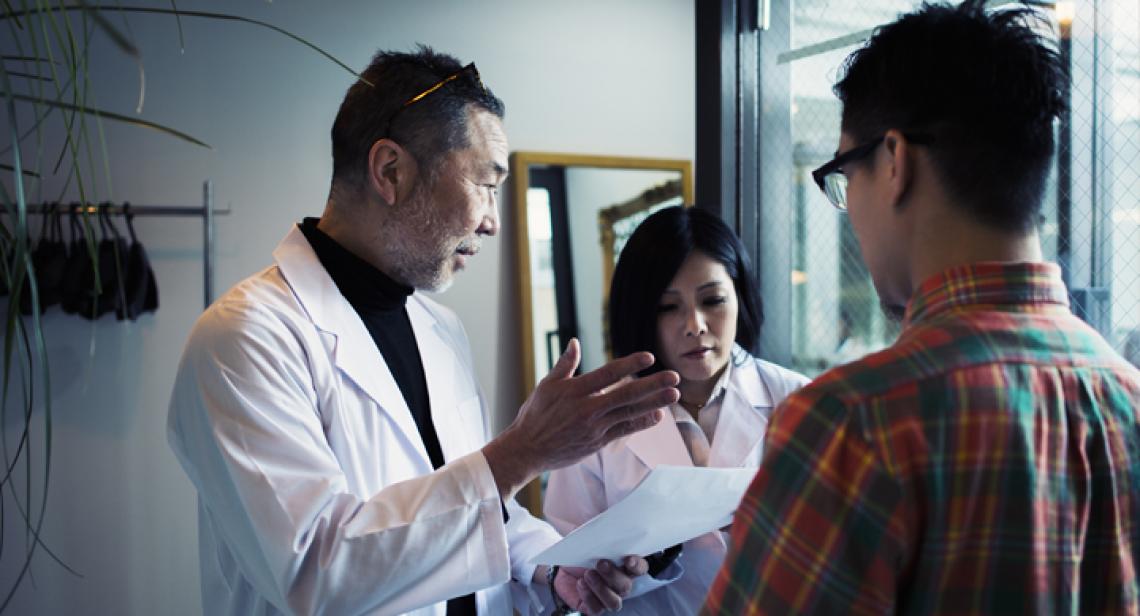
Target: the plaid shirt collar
(987, 284)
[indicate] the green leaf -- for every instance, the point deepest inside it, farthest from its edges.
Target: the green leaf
(202, 14)
(27, 172)
(178, 20)
(29, 76)
(110, 115)
(123, 43)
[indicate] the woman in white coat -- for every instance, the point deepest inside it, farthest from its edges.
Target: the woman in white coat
(683, 289)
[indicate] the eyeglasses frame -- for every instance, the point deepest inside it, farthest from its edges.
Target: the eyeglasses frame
(858, 152)
(469, 68)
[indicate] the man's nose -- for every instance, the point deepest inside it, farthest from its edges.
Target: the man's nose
(490, 224)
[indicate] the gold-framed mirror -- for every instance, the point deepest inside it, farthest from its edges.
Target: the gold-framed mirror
(572, 214)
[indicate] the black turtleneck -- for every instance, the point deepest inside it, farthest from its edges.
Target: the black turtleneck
(382, 304)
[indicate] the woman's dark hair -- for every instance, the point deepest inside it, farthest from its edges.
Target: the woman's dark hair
(650, 260)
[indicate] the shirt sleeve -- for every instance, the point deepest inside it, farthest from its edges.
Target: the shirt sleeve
(819, 531)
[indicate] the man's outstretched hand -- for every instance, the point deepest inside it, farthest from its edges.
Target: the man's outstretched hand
(568, 417)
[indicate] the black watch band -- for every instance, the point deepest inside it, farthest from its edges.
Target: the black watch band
(660, 561)
(560, 606)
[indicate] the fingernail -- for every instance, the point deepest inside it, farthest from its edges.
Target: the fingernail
(646, 360)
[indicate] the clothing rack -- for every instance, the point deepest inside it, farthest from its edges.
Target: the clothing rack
(205, 211)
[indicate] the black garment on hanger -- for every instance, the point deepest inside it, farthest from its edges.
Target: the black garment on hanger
(112, 249)
(140, 290)
(76, 286)
(49, 260)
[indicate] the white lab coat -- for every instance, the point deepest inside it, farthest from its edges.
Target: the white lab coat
(577, 493)
(315, 492)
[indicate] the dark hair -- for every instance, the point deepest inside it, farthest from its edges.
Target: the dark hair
(986, 87)
(428, 128)
(650, 260)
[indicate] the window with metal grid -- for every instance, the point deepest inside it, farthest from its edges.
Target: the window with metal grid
(1090, 220)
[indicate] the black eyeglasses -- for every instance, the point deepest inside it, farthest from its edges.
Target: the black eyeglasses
(833, 182)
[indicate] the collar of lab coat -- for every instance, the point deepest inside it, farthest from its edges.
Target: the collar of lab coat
(353, 350)
(744, 417)
(743, 420)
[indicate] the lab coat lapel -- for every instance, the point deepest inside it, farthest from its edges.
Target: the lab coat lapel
(342, 331)
(660, 445)
(440, 365)
(743, 417)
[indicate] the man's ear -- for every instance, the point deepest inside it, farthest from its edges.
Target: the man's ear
(900, 166)
(390, 170)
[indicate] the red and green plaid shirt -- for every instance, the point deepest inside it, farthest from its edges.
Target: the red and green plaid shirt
(986, 463)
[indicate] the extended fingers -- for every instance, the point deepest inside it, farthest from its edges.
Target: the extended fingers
(590, 604)
(637, 395)
(599, 593)
(566, 365)
(637, 424)
(612, 372)
(635, 565)
(616, 578)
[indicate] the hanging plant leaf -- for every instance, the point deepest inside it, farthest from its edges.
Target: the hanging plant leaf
(56, 73)
(178, 20)
(202, 14)
(27, 172)
(123, 43)
(110, 115)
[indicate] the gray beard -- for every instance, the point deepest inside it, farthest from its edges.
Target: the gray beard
(421, 274)
(406, 247)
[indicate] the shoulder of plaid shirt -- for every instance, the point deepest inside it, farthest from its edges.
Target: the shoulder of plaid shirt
(876, 497)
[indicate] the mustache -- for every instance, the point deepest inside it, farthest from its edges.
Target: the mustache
(470, 245)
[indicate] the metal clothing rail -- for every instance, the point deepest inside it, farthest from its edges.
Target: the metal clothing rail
(205, 211)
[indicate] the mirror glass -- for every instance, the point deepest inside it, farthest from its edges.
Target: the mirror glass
(574, 215)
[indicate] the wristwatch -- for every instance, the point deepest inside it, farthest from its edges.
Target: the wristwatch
(560, 606)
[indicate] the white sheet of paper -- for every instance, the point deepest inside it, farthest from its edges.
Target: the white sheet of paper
(671, 505)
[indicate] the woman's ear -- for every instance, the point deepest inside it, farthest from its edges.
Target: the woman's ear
(390, 169)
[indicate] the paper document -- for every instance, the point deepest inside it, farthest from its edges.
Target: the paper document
(671, 505)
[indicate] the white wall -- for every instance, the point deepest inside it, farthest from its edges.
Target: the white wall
(589, 76)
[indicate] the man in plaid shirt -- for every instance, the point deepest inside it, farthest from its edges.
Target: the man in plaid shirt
(989, 461)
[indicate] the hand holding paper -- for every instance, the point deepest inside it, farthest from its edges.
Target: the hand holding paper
(671, 505)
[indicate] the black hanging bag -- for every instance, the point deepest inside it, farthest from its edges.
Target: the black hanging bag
(109, 295)
(78, 280)
(140, 288)
(50, 261)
